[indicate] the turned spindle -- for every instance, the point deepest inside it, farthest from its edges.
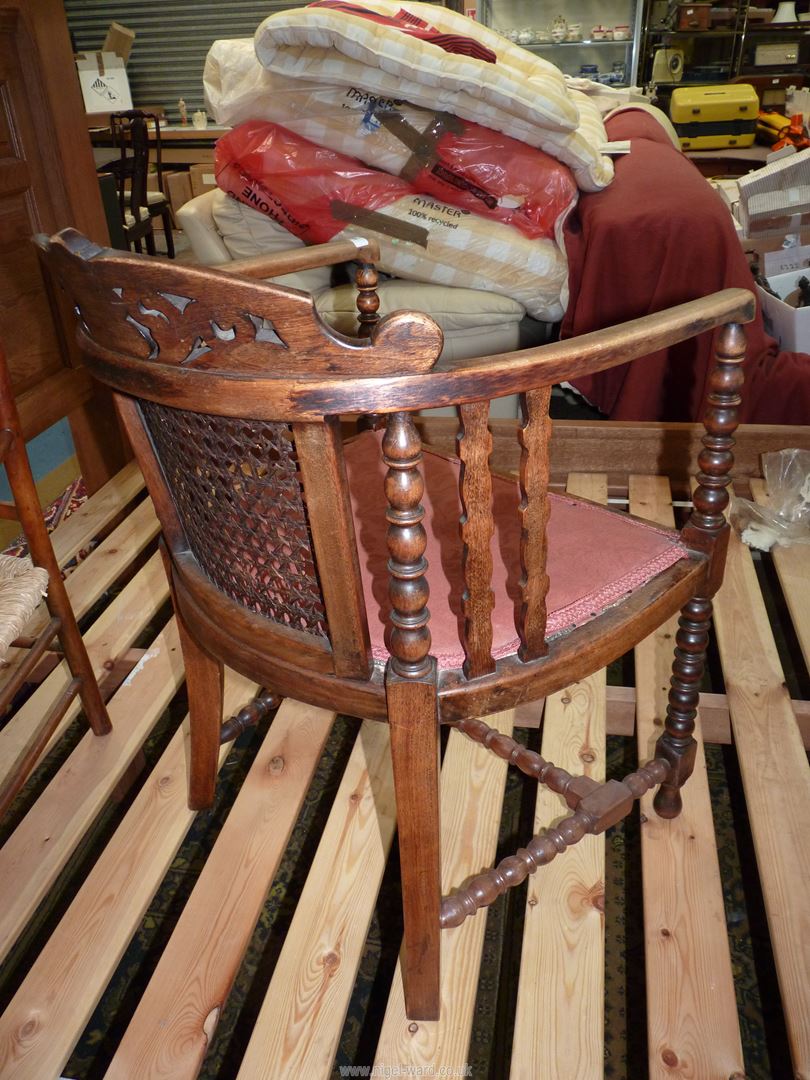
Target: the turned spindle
(534, 434)
(707, 529)
(368, 300)
(408, 589)
(601, 807)
(254, 712)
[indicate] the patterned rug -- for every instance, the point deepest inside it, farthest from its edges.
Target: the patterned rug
(58, 511)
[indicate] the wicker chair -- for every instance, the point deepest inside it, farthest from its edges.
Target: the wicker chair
(307, 562)
(23, 583)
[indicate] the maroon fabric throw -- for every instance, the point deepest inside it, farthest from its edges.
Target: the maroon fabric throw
(659, 235)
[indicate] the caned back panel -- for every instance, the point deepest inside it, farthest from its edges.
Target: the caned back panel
(238, 496)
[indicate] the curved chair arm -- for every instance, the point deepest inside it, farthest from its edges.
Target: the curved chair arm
(277, 264)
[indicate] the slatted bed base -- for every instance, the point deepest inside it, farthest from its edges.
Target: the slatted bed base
(63, 938)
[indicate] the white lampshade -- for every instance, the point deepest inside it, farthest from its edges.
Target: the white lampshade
(786, 12)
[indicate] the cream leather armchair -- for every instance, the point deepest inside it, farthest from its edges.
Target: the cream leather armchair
(475, 323)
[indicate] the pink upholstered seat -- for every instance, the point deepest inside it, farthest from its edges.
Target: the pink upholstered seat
(595, 556)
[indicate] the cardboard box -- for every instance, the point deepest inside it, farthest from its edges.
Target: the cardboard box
(178, 188)
(119, 40)
(790, 326)
(104, 82)
(202, 179)
(775, 200)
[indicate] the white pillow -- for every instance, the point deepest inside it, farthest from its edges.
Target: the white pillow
(247, 232)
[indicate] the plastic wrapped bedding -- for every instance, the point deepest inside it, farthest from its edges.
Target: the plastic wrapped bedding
(453, 160)
(520, 95)
(319, 195)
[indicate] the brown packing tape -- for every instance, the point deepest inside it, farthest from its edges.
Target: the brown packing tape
(100, 62)
(424, 145)
(381, 223)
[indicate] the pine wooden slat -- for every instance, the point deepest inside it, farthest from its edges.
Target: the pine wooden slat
(56, 999)
(776, 779)
(559, 1020)
(175, 1021)
(40, 846)
(793, 568)
(76, 533)
(713, 708)
(95, 515)
(112, 633)
(472, 787)
(692, 1023)
(300, 1022)
(111, 558)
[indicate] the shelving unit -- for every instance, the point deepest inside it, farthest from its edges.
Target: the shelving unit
(722, 53)
(569, 56)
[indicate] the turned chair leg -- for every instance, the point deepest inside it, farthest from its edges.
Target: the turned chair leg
(707, 530)
(415, 755)
(677, 744)
(166, 218)
(411, 694)
(205, 685)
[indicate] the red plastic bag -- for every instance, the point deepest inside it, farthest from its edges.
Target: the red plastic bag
(491, 174)
(300, 185)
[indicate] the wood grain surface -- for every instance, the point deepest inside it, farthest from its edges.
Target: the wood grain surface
(41, 845)
(776, 779)
(472, 787)
(300, 1022)
(56, 999)
(186, 994)
(693, 1029)
(559, 1020)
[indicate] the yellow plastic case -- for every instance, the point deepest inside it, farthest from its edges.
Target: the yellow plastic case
(714, 117)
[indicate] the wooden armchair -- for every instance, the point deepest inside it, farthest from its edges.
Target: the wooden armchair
(308, 563)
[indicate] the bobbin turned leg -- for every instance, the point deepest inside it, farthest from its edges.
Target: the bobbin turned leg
(413, 718)
(677, 745)
(708, 531)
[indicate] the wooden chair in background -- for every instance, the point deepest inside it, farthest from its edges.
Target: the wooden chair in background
(308, 563)
(138, 205)
(21, 590)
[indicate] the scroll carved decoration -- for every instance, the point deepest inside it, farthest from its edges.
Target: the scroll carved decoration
(595, 808)
(173, 314)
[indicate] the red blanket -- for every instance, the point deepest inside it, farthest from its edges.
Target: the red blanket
(659, 235)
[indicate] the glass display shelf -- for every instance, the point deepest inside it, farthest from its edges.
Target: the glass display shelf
(589, 42)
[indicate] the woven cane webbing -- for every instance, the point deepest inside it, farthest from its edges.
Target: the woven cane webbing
(238, 495)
